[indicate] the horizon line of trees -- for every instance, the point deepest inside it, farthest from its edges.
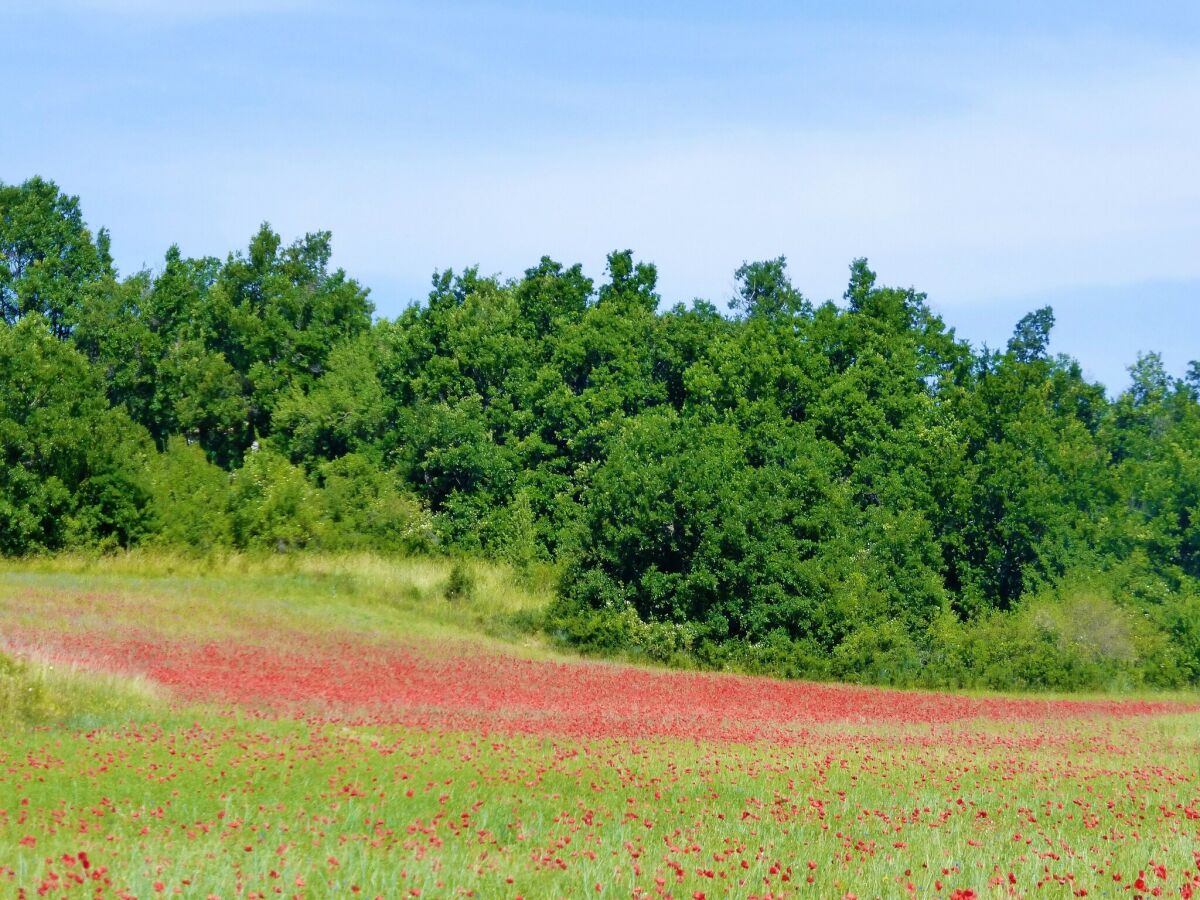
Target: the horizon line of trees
(821, 490)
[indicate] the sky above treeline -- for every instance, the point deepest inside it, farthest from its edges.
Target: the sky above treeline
(998, 157)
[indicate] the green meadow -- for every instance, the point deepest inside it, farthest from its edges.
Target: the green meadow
(114, 786)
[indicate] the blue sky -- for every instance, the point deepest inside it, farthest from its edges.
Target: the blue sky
(997, 156)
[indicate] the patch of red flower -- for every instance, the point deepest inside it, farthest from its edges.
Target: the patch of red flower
(503, 693)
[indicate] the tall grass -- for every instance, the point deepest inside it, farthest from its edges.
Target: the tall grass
(417, 596)
(35, 692)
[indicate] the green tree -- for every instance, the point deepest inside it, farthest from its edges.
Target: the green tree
(189, 499)
(72, 472)
(367, 509)
(47, 254)
(1031, 337)
(272, 505)
(764, 289)
(342, 412)
(694, 522)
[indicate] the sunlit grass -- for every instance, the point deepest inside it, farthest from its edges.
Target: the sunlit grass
(36, 692)
(226, 593)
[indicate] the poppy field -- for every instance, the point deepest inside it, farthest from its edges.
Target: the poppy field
(308, 734)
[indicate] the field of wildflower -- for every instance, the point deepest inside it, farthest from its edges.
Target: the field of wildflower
(345, 729)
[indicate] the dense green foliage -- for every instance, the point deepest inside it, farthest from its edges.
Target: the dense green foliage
(831, 490)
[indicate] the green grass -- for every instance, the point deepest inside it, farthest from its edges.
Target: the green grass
(213, 806)
(206, 803)
(358, 592)
(35, 693)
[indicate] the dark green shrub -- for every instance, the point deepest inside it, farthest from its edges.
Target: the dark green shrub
(272, 505)
(71, 467)
(460, 586)
(602, 631)
(881, 654)
(366, 509)
(778, 656)
(1181, 620)
(189, 499)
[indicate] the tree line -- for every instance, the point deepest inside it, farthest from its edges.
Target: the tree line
(841, 490)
